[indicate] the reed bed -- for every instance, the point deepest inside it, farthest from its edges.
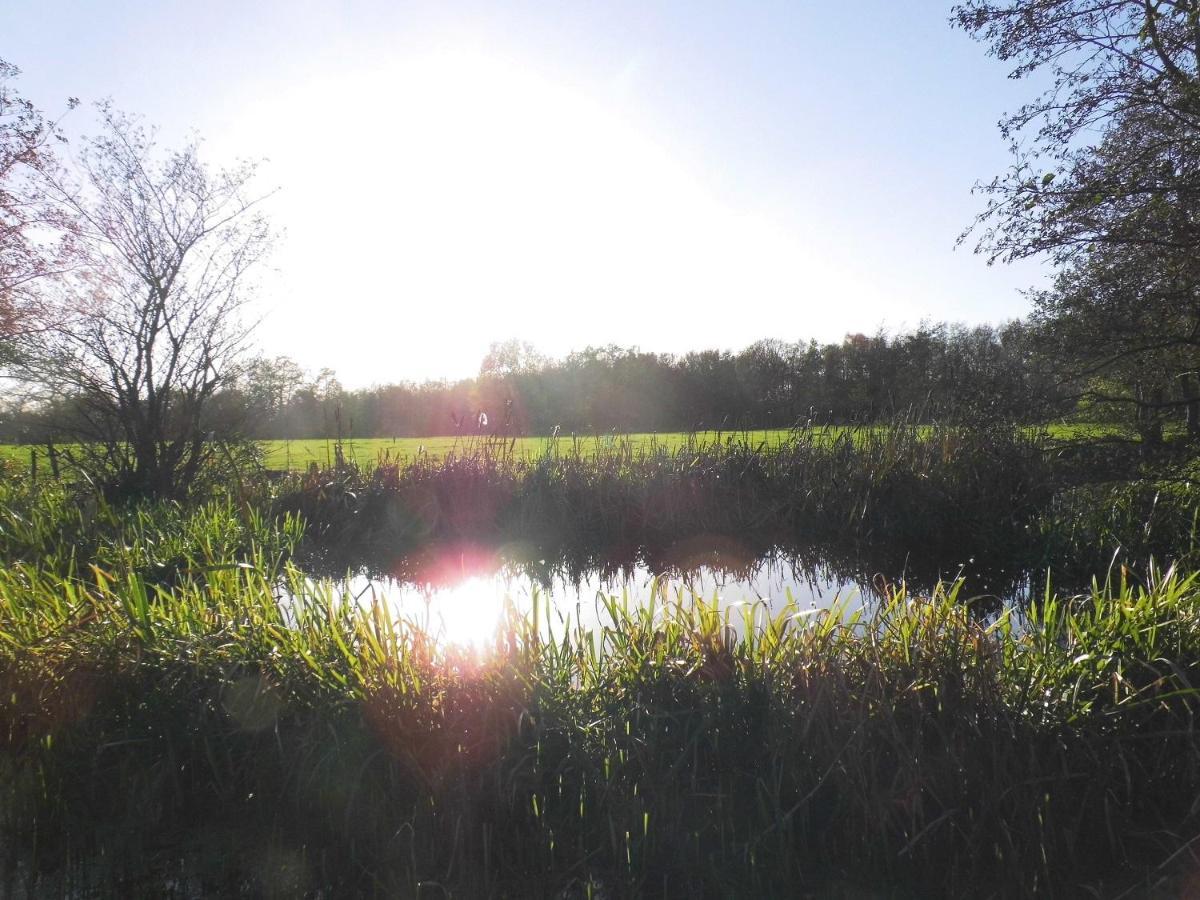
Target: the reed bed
(184, 711)
(240, 729)
(50, 528)
(941, 495)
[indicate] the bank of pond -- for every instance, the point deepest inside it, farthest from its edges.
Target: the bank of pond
(858, 669)
(919, 503)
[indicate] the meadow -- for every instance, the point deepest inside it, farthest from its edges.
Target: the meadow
(299, 454)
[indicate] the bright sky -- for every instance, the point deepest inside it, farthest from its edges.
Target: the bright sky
(674, 176)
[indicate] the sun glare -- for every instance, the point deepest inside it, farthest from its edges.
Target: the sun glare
(459, 198)
(467, 614)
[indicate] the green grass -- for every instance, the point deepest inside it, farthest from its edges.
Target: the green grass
(207, 734)
(299, 454)
(180, 705)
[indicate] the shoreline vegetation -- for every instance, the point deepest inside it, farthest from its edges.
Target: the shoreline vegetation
(924, 502)
(245, 729)
(187, 708)
(1073, 499)
(299, 454)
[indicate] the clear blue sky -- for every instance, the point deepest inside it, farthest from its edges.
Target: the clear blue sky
(674, 176)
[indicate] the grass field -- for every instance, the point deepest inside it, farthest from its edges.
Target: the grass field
(299, 454)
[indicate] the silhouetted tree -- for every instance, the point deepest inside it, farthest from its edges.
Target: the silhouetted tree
(149, 327)
(35, 240)
(1106, 183)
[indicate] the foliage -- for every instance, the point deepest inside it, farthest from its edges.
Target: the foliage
(1105, 183)
(1118, 120)
(49, 528)
(922, 500)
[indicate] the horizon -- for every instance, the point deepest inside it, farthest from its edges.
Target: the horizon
(453, 177)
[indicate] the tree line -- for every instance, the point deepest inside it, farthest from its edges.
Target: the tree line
(935, 372)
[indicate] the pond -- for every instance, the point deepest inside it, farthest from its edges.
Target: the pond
(461, 593)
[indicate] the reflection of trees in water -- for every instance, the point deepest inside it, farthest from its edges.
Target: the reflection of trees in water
(717, 560)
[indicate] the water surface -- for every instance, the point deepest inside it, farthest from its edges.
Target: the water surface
(461, 594)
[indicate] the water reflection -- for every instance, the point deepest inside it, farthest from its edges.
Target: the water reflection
(459, 593)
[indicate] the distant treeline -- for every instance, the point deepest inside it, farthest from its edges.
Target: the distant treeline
(936, 372)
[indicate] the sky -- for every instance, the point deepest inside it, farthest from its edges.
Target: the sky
(671, 176)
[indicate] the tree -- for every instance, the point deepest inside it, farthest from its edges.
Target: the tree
(1114, 135)
(267, 386)
(511, 357)
(1130, 324)
(1106, 183)
(765, 372)
(149, 325)
(28, 253)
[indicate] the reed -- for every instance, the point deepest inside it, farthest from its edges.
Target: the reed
(185, 710)
(243, 729)
(950, 494)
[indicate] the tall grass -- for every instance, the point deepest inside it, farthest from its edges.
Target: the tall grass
(245, 730)
(54, 528)
(1092, 527)
(185, 712)
(940, 495)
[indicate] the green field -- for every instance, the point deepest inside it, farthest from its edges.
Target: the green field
(299, 454)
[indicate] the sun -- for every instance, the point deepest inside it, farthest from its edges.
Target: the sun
(458, 197)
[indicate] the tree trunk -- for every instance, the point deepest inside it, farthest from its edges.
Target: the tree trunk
(1187, 384)
(1148, 422)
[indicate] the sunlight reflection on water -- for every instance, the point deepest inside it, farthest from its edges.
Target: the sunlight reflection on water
(466, 604)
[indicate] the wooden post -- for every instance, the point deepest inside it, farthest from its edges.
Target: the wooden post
(33, 465)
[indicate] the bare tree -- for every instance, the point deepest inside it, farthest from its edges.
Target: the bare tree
(35, 240)
(150, 323)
